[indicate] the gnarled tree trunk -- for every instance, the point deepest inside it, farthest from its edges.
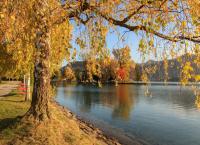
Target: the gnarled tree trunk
(41, 90)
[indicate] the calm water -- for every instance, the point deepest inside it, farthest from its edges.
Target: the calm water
(167, 117)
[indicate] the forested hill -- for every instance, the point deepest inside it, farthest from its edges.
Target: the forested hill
(174, 67)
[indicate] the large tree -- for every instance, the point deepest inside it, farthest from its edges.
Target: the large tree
(33, 23)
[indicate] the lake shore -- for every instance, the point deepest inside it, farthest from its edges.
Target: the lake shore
(106, 133)
(63, 128)
(133, 83)
(88, 128)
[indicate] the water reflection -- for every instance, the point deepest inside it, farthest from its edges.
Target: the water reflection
(181, 96)
(170, 115)
(126, 98)
(197, 101)
(120, 99)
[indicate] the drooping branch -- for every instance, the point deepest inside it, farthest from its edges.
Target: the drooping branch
(123, 23)
(66, 17)
(132, 14)
(73, 13)
(137, 11)
(194, 39)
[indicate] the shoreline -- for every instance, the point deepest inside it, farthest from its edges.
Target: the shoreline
(88, 127)
(135, 83)
(111, 137)
(123, 138)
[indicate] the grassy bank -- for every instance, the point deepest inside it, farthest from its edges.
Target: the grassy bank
(62, 129)
(11, 106)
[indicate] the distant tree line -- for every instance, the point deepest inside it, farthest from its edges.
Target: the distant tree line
(122, 68)
(106, 69)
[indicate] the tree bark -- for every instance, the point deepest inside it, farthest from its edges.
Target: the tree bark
(27, 84)
(41, 89)
(39, 109)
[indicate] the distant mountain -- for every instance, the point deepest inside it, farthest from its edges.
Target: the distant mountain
(174, 68)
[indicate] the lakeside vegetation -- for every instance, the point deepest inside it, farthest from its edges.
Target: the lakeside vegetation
(109, 70)
(105, 69)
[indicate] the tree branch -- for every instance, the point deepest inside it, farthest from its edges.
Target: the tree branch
(149, 30)
(84, 21)
(85, 6)
(129, 16)
(74, 13)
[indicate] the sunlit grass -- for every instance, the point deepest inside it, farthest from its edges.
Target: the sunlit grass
(63, 128)
(11, 106)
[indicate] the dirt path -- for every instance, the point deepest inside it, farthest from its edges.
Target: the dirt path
(7, 87)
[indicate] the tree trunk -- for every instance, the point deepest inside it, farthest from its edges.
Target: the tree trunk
(41, 90)
(27, 84)
(24, 80)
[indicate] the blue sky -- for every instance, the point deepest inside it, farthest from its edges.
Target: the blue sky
(113, 41)
(131, 39)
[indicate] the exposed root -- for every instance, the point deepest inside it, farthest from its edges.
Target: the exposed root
(35, 117)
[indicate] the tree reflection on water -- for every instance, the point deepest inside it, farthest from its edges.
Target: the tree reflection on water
(125, 100)
(119, 99)
(197, 101)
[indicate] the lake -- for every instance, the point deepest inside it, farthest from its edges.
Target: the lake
(166, 116)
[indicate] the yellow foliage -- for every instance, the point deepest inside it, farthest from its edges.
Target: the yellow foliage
(197, 78)
(186, 73)
(197, 101)
(69, 74)
(144, 78)
(19, 30)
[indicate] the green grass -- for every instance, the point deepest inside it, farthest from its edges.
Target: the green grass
(2, 82)
(11, 106)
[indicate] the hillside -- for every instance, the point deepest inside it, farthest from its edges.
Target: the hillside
(174, 68)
